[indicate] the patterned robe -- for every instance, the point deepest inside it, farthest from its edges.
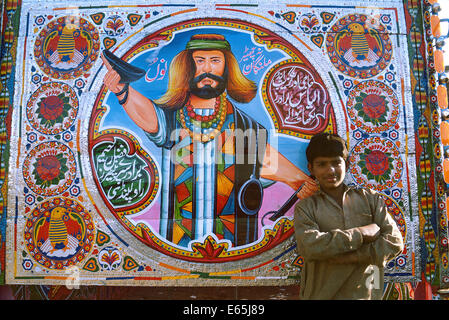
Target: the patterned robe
(201, 180)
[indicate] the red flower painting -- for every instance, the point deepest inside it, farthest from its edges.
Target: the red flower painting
(376, 165)
(53, 109)
(372, 107)
(377, 162)
(50, 169)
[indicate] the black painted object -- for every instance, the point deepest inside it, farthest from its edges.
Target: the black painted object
(274, 215)
(127, 72)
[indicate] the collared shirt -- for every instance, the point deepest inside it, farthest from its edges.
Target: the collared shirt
(325, 230)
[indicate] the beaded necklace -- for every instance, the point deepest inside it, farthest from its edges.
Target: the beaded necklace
(203, 128)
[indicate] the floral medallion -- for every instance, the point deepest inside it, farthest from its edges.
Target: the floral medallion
(373, 106)
(59, 233)
(359, 46)
(52, 108)
(376, 164)
(49, 169)
(67, 47)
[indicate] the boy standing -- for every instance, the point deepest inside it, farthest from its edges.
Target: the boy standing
(345, 234)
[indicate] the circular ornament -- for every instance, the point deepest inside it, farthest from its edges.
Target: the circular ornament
(59, 233)
(52, 108)
(359, 46)
(49, 168)
(67, 47)
(376, 164)
(373, 106)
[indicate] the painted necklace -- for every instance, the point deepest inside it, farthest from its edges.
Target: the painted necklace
(207, 127)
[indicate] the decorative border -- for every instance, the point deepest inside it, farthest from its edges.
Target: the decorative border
(424, 137)
(437, 264)
(10, 11)
(425, 131)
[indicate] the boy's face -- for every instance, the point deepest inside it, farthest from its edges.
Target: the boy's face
(329, 171)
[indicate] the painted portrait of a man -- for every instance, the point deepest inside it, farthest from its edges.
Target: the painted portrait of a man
(210, 148)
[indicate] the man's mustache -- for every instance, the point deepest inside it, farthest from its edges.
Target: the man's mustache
(207, 75)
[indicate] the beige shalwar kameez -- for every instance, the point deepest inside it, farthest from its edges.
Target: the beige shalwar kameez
(325, 230)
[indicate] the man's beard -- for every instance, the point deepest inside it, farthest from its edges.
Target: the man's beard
(208, 92)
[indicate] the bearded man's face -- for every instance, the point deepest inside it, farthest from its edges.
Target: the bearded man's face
(209, 80)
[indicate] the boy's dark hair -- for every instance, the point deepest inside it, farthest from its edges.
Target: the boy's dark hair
(326, 145)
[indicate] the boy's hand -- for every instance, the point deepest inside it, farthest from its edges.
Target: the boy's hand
(369, 232)
(309, 188)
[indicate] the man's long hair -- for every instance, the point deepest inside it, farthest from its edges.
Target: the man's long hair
(182, 69)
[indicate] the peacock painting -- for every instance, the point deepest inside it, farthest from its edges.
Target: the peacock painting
(67, 47)
(359, 46)
(59, 232)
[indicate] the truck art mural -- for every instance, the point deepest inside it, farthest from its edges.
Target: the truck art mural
(163, 144)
